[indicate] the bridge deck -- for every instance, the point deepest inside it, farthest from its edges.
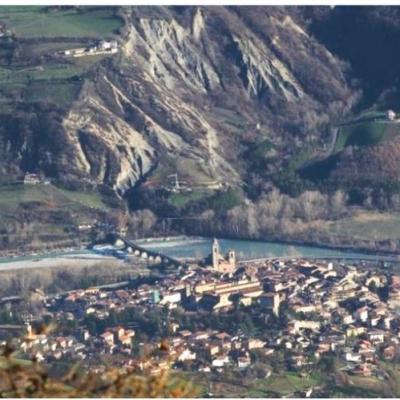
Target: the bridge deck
(154, 254)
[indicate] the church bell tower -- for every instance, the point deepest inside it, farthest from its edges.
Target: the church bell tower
(215, 254)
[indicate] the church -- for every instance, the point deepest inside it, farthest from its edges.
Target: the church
(220, 263)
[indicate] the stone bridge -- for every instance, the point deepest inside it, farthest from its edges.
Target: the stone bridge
(146, 254)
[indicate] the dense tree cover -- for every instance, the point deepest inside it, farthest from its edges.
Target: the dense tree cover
(277, 212)
(153, 323)
(158, 202)
(367, 30)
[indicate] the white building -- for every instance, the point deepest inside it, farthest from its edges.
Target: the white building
(361, 314)
(187, 355)
(390, 115)
(220, 361)
(31, 179)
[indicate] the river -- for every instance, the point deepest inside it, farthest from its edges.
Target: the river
(184, 248)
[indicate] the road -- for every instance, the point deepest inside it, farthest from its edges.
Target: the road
(333, 143)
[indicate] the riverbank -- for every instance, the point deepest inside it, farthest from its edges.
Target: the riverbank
(44, 251)
(359, 230)
(68, 275)
(61, 261)
(189, 248)
(324, 245)
(275, 240)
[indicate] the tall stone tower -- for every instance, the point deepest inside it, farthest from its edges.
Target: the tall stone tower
(220, 263)
(188, 290)
(232, 259)
(215, 254)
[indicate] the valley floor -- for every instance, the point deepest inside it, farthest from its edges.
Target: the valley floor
(66, 261)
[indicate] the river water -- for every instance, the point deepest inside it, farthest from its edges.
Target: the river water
(182, 248)
(192, 247)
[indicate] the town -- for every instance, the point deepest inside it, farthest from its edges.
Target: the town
(218, 315)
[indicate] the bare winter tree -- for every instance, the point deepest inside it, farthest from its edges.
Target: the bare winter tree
(338, 204)
(141, 222)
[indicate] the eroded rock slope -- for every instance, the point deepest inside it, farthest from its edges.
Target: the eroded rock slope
(188, 88)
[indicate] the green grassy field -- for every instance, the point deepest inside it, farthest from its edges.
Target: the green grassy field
(368, 225)
(370, 386)
(363, 133)
(49, 47)
(182, 199)
(49, 72)
(11, 196)
(50, 82)
(85, 199)
(283, 384)
(52, 71)
(47, 204)
(36, 21)
(57, 80)
(60, 92)
(367, 128)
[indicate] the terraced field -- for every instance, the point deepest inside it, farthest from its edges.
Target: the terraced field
(361, 134)
(367, 129)
(365, 149)
(52, 72)
(11, 196)
(29, 70)
(54, 215)
(38, 21)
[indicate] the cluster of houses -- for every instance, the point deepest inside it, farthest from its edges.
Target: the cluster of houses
(103, 47)
(319, 309)
(34, 179)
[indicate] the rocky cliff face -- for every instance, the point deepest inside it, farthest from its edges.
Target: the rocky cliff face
(189, 88)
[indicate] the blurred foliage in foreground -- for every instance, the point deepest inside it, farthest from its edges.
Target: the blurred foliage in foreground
(29, 378)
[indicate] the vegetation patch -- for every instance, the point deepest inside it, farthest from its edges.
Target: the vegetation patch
(49, 72)
(180, 200)
(362, 134)
(225, 200)
(287, 383)
(61, 93)
(36, 21)
(11, 196)
(367, 225)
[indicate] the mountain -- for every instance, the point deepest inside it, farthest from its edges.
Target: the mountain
(201, 108)
(187, 87)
